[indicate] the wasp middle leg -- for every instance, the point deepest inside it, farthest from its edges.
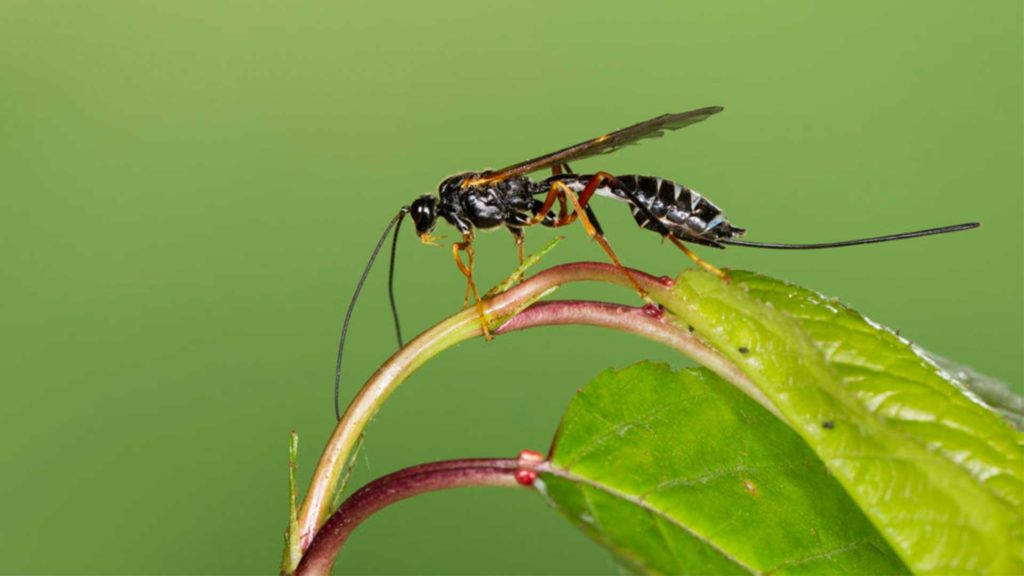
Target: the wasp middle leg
(517, 235)
(540, 215)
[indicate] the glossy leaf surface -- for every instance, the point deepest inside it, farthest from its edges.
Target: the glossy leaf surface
(682, 473)
(936, 470)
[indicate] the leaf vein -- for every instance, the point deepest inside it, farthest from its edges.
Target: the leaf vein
(567, 475)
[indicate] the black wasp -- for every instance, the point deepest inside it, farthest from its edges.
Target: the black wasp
(491, 199)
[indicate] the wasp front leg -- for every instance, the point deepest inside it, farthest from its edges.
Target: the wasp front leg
(467, 269)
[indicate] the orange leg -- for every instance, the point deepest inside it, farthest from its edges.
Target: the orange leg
(519, 246)
(594, 184)
(558, 169)
(587, 194)
(698, 260)
(467, 269)
(564, 216)
(549, 201)
(596, 234)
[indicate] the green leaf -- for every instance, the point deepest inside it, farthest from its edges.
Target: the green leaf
(995, 394)
(682, 473)
(937, 472)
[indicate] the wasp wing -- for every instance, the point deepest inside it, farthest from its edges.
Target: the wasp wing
(653, 128)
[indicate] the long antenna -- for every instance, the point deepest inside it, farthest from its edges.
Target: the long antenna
(391, 281)
(395, 223)
(872, 240)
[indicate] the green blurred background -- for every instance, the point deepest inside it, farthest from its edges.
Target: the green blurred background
(189, 190)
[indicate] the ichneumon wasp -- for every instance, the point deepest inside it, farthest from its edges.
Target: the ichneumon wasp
(508, 198)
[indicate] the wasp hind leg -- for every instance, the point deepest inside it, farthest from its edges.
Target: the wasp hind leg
(593, 228)
(584, 198)
(698, 260)
(639, 205)
(467, 269)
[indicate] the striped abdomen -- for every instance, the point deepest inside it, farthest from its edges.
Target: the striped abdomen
(667, 207)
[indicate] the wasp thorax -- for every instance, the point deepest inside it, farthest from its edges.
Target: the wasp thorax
(424, 214)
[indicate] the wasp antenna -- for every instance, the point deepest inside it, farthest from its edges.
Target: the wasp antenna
(391, 279)
(395, 223)
(872, 240)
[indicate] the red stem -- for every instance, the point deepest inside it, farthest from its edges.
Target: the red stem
(382, 492)
(648, 322)
(457, 328)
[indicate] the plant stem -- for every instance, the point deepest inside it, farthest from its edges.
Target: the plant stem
(457, 328)
(382, 492)
(648, 322)
(515, 309)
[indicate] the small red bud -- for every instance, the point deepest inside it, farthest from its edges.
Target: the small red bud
(653, 311)
(530, 458)
(666, 281)
(525, 477)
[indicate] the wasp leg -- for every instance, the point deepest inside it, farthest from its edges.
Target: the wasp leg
(595, 183)
(698, 260)
(558, 169)
(635, 201)
(549, 201)
(515, 223)
(467, 269)
(564, 215)
(517, 234)
(589, 221)
(588, 193)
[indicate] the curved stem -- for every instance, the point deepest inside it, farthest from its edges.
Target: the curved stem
(383, 492)
(458, 328)
(648, 322)
(509, 311)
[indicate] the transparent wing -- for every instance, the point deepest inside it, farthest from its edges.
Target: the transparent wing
(653, 128)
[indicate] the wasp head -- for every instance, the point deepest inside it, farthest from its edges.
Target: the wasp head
(424, 214)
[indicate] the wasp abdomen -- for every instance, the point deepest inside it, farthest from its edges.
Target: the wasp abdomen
(665, 207)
